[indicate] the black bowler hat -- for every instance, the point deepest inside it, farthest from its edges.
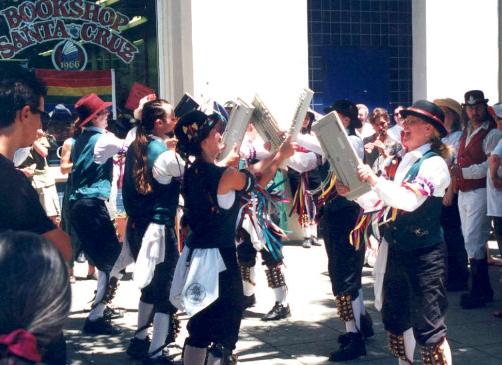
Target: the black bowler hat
(428, 112)
(347, 108)
(474, 97)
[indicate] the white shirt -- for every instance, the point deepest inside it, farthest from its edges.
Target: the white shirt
(433, 178)
(107, 145)
(494, 196)
(167, 165)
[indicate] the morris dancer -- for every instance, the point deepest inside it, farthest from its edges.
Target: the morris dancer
(251, 240)
(304, 202)
(91, 184)
(212, 201)
(150, 192)
(345, 262)
(414, 293)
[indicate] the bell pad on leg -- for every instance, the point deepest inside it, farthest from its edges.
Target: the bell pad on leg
(434, 354)
(397, 348)
(275, 277)
(344, 307)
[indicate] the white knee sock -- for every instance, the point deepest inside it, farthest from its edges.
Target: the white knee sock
(306, 232)
(313, 230)
(160, 330)
(250, 287)
(409, 345)
(212, 360)
(194, 355)
(144, 314)
(355, 324)
(98, 307)
(447, 351)
(281, 294)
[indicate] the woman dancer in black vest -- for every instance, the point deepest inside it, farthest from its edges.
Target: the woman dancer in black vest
(414, 294)
(212, 204)
(151, 192)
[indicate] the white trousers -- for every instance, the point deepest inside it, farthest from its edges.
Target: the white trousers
(475, 223)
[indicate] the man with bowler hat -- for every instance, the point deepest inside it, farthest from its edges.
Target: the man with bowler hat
(469, 171)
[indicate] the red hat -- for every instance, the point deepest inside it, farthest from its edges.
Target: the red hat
(88, 106)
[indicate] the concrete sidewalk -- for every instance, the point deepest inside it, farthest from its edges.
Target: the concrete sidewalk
(308, 336)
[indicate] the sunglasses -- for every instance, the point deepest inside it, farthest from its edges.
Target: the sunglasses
(44, 117)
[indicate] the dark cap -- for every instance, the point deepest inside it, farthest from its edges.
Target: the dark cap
(348, 109)
(428, 112)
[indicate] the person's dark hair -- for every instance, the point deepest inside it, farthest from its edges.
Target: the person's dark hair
(152, 110)
(377, 113)
(35, 290)
(308, 128)
(18, 87)
(192, 129)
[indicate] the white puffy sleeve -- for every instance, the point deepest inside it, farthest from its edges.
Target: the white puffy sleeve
(432, 179)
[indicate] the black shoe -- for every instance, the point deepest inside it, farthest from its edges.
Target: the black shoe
(279, 311)
(248, 301)
(100, 326)
(112, 313)
(353, 348)
(160, 360)
(138, 349)
(366, 330)
(315, 241)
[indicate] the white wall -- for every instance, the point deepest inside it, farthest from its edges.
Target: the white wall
(243, 47)
(462, 48)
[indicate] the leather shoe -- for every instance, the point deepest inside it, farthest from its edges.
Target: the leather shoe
(138, 348)
(100, 326)
(352, 349)
(278, 312)
(248, 301)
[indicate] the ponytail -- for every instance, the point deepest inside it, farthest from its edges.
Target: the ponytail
(150, 112)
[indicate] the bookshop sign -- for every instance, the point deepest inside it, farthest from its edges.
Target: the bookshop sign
(73, 23)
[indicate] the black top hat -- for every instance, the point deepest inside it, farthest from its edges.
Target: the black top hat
(474, 97)
(347, 108)
(428, 112)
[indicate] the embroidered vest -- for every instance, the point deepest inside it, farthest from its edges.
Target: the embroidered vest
(470, 155)
(420, 228)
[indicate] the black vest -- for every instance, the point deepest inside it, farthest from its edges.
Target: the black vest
(211, 226)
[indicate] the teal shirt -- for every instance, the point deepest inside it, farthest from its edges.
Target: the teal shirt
(89, 179)
(160, 205)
